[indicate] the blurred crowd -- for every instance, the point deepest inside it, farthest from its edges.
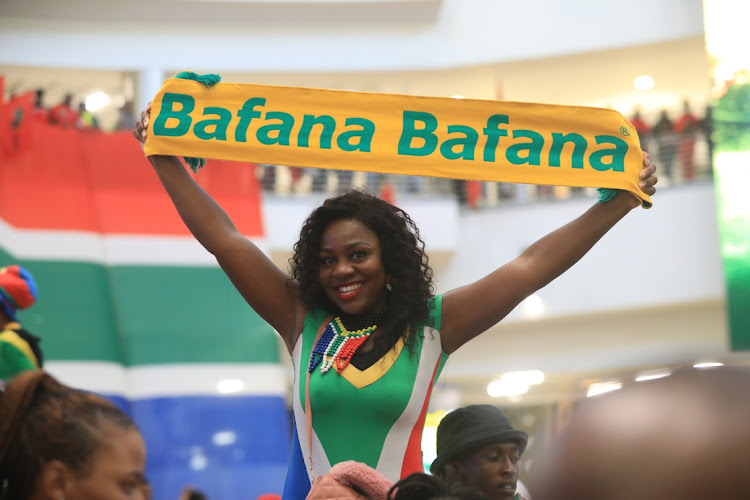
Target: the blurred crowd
(65, 113)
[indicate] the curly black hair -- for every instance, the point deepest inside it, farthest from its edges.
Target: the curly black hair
(403, 256)
(421, 486)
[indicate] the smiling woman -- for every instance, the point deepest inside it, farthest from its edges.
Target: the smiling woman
(360, 299)
(57, 442)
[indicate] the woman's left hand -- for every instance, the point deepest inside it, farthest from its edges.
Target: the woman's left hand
(648, 176)
(647, 181)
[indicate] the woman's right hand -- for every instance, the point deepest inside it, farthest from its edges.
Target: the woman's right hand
(141, 127)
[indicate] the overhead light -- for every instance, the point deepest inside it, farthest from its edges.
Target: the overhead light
(230, 385)
(97, 100)
(644, 82)
(224, 438)
(602, 388)
(514, 383)
(457, 96)
(528, 377)
(652, 375)
(708, 364)
(198, 460)
(533, 306)
(500, 388)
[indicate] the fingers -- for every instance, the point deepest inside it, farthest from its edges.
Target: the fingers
(648, 171)
(647, 175)
(140, 132)
(648, 180)
(647, 185)
(141, 128)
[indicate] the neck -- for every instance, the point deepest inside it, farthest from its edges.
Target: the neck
(362, 320)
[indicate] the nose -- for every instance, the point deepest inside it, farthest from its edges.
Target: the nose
(508, 467)
(342, 269)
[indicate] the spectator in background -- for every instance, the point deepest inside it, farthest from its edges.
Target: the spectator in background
(642, 128)
(687, 127)
(667, 141)
(40, 110)
(63, 114)
(478, 448)
(706, 126)
(19, 349)
(126, 117)
(86, 119)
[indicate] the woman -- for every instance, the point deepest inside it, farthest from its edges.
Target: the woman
(57, 443)
(362, 262)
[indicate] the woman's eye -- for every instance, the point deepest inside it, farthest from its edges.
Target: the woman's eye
(359, 255)
(326, 261)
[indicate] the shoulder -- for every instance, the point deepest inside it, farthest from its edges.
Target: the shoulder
(313, 317)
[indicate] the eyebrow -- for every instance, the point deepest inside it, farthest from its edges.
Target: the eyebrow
(350, 245)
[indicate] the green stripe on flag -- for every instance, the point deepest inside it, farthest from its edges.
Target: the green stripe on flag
(188, 315)
(139, 315)
(73, 313)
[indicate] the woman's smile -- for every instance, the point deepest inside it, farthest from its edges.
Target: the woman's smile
(349, 292)
(351, 267)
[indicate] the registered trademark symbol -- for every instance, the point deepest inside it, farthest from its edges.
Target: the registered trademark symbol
(624, 131)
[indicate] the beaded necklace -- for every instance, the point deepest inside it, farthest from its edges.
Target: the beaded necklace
(341, 339)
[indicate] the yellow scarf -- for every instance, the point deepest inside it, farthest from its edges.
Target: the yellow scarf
(397, 134)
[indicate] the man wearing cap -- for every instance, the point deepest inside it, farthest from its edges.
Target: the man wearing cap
(477, 447)
(19, 349)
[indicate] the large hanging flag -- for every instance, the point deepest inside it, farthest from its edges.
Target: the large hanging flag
(396, 134)
(131, 306)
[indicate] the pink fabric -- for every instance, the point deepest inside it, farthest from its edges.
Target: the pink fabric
(362, 477)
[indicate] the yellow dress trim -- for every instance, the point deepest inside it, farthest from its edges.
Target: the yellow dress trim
(362, 378)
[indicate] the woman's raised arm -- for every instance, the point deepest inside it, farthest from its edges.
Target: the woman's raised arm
(472, 309)
(263, 285)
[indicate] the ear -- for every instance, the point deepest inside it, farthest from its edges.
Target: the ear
(452, 473)
(54, 481)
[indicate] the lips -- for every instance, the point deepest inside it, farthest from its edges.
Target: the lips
(507, 488)
(348, 291)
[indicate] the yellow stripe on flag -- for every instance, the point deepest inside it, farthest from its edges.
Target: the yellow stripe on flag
(397, 134)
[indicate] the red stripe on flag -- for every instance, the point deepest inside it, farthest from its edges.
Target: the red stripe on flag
(94, 181)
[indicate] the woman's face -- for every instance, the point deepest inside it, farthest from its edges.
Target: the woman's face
(351, 267)
(117, 468)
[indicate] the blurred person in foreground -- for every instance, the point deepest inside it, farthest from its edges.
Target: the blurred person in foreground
(190, 493)
(683, 437)
(421, 486)
(478, 448)
(19, 349)
(57, 442)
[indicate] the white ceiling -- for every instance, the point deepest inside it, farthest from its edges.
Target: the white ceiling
(250, 12)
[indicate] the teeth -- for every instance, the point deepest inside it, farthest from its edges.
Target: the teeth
(349, 288)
